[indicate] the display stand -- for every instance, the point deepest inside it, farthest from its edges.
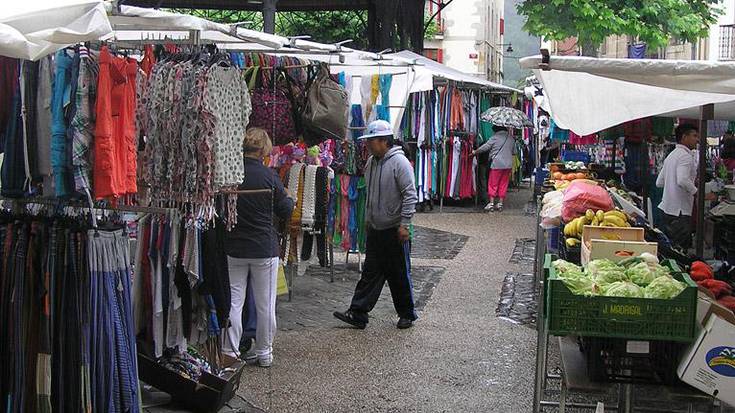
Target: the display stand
(573, 366)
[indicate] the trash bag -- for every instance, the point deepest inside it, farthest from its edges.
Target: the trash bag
(581, 196)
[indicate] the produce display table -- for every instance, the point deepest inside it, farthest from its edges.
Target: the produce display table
(574, 370)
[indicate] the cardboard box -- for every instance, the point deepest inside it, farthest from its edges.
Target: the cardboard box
(606, 242)
(709, 363)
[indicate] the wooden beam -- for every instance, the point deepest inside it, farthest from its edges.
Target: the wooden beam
(250, 5)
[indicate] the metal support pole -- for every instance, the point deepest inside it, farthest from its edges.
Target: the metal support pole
(707, 112)
(541, 337)
(269, 16)
(331, 261)
(292, 271)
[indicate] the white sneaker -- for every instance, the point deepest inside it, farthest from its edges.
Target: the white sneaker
(490, 206)
(499, 207)
(264, 361)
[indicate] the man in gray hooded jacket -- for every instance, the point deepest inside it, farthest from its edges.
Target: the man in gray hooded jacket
(391, 203)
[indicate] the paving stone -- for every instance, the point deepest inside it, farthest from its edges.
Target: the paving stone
(315, 298)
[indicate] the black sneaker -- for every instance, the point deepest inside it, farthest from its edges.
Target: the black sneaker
(349, 318)
(404, 323)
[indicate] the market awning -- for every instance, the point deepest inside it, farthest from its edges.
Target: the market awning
(33, 29)
(424, 64)
(588, 95)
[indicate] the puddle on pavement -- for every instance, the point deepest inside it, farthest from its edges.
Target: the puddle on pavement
(524, 252)
(434, 244)
(518, 299)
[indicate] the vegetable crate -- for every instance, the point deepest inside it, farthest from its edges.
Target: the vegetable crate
(620, 317)
(626, 361)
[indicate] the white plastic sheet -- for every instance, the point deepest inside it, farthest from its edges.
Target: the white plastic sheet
(588, 95)
(435, 69)
(33, 29)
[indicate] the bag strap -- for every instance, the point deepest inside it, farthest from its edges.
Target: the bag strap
(501, 147)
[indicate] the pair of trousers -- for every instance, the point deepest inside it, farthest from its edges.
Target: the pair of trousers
(114, 136)
(386, 259)
(678, 229)
(497, 183)
(263, 273)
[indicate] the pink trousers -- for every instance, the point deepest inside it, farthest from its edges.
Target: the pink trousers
(497, 183)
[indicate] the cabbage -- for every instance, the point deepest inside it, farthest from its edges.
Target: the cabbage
(562, 267)
(645, 272)
(622, 289)
(581, 285)
(664, 287)
(602, 264)
(609, 276)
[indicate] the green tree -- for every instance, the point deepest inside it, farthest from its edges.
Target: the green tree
(591, 21)
(322, 26)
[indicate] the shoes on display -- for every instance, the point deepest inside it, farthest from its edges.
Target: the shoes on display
(349, 318)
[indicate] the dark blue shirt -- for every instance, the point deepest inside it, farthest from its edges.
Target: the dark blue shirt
(255, 234)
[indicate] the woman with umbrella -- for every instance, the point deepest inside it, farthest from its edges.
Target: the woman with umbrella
(502, 148)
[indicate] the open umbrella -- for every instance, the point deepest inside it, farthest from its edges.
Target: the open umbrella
(505, 116)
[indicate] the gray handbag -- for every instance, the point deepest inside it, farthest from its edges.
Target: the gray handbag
(326, 107)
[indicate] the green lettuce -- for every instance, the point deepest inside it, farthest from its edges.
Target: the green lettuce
(664, 287)
(596, 266)
(622, 289)
(644, 273)
(581, 285)
(562, 267)
(609, 276)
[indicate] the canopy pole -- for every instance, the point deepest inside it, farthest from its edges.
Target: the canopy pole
(706, 112)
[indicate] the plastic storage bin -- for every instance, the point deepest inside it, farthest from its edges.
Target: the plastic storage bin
(619, 317)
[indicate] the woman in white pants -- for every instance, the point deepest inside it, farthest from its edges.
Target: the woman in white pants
(252, 250)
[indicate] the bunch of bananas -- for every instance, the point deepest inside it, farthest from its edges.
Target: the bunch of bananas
(573, 229)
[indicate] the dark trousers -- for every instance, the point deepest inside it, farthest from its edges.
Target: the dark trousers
(386, 259)
(678, 229)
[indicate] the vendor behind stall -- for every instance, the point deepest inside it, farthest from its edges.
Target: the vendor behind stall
(677, 178)
(727, 151)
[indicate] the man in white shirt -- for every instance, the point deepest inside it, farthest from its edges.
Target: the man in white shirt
(677, 178)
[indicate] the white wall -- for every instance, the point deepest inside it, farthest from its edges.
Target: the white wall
(468, 24)
(728, 17)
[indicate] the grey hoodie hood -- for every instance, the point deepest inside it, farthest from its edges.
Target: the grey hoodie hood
(391, 190)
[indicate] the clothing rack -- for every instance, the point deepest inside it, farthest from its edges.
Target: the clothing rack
(123, 208)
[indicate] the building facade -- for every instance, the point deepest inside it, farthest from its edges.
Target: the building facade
(471, 36)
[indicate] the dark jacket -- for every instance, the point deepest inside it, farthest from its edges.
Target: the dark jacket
(255, 234)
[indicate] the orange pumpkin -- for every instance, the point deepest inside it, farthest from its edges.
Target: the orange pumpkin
(580, 175)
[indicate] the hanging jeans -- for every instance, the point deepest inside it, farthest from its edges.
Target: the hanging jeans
(263, 272)
(60, 100)
(386, 259)
(497, 183)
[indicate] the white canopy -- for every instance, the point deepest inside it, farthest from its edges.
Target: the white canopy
(435, 69)
(588, 95)
(36, 28)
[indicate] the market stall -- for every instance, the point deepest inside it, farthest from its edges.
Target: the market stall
(124, 154)
(611, 286)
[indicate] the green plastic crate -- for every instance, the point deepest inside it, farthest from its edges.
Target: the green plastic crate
(619, 317)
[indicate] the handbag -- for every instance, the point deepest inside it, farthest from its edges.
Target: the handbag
(273, 109)
(325, 108)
